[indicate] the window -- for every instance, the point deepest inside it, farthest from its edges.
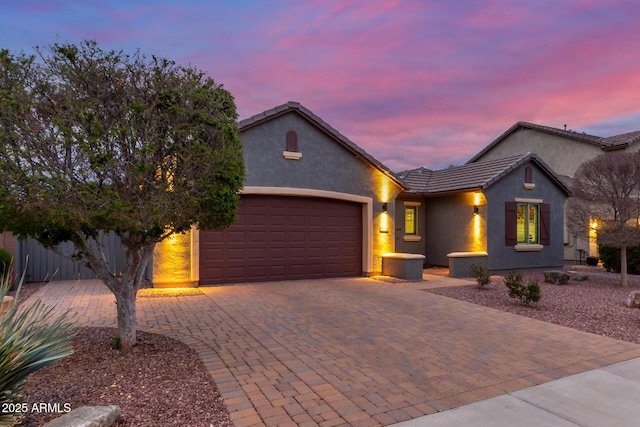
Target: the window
(410, 223)
(527, 224)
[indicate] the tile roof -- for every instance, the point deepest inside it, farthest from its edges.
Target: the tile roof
(624, 139)
(471, 176)
(298, 108)
(606, 143)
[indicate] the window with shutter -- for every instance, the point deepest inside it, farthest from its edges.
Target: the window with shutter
(527, 224)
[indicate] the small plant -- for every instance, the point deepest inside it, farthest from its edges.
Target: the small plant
(30, 339)
(480, 273)
(115, 342)
(517, 289)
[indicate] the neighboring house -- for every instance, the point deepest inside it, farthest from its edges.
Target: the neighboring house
(510, 208)
(563, 151)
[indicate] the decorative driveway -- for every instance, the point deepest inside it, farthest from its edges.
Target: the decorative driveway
(353, 351)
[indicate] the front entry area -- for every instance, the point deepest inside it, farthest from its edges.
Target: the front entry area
(284, 238)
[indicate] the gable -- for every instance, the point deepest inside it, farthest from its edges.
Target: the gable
(296, 108)
(324, 160)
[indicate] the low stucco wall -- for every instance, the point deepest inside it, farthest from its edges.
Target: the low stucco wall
(404, 266)
(460, 262)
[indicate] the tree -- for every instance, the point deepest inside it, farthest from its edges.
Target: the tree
(607, 190)
(95, 140)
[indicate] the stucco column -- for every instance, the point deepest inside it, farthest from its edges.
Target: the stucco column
(173, 261)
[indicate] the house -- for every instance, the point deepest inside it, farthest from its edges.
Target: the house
(563, 151)
(507, 213)
(314, 205)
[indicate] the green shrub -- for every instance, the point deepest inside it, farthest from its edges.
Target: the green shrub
(30, 339)
(610, 258)
(6, 262)
(517, 289)
(480, 273)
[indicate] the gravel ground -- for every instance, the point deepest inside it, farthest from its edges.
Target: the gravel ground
(596, 305)
(162, 382)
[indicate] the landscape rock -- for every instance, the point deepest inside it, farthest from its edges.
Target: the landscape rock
(88, 416)
(633, 299)
(556, 277)
(7, 302)
(581, 277)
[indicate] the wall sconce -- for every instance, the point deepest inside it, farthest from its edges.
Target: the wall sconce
(475, 210)
(384, 207)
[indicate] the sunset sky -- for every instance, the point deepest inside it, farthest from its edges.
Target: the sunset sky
(414, 83)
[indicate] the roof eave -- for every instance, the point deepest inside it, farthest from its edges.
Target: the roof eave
(446, 192)
(616, 147)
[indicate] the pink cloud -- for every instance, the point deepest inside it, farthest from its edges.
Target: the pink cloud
(438, 79)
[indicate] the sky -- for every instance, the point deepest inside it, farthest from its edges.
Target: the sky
(412, 82)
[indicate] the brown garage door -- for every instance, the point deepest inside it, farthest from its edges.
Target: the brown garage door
(284, 238)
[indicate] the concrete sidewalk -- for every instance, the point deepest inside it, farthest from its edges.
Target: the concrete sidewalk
(602, 397)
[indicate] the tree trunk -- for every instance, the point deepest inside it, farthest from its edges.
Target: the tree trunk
(623, 266)
(125, 287)
(126, 311)
(125, 290)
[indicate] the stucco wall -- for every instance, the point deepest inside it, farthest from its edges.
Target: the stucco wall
(452, 226)
(325, 165)
(505, 258)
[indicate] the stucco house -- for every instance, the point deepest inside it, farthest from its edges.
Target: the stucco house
(563, 151)
(506, 212)
(314, 205)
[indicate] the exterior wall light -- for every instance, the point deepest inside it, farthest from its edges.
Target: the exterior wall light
(384, 207)
(475, 210)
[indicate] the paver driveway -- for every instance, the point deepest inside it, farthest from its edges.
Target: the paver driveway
(353, 351)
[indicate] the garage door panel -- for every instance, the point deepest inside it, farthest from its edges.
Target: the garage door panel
(284, 238)
(278, 253)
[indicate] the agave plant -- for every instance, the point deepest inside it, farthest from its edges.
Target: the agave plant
(30, 339)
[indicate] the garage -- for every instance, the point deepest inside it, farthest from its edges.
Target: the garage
(284, 238)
